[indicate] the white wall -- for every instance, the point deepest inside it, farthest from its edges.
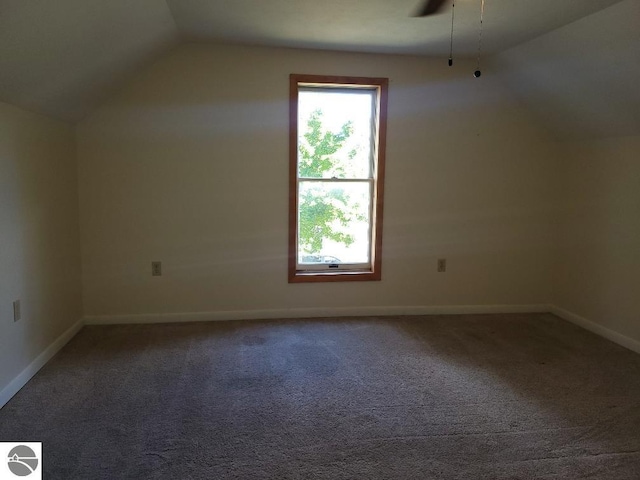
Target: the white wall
(598, 266)
(581, 81)
(188, 165)
(39, 237)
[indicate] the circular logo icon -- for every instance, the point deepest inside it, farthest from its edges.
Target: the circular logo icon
(22, 461)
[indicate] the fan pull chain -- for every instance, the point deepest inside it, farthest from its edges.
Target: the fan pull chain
(477, 73)
(453, 10)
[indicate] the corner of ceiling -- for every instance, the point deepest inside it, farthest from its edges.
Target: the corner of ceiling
(580, 80)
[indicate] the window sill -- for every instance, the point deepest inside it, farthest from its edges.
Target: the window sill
(314, 277)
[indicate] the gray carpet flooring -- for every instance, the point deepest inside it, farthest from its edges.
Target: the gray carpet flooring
(436, 397)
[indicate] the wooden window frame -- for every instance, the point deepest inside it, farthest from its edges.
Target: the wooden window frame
(382, 87)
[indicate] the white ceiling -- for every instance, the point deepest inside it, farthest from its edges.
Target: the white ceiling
(380, 26)
(61, 57)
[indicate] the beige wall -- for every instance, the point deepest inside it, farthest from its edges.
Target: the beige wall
(188, 165)
(39, 236)
(581, 82)
(598, 266)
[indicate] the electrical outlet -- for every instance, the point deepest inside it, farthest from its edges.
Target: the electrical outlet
(156, 269)
(17, 313)
(442, 265)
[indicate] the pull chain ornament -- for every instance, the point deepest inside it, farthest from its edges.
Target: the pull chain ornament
(477, 73)
(453, 10)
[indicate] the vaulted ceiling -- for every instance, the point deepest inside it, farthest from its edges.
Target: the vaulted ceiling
(62, 57)
(582, 80)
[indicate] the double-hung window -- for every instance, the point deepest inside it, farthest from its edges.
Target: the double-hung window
(337, 151)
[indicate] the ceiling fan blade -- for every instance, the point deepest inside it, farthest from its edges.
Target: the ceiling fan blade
(430, 7)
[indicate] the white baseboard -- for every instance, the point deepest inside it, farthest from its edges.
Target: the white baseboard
(596, 328)
(21, 380)
(310, 313)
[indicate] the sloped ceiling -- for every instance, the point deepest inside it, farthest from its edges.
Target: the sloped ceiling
(62, 57)
(582, 80)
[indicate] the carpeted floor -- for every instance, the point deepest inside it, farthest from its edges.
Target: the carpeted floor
(436, 397)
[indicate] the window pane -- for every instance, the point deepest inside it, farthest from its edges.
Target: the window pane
(334, 133)
(333, 222)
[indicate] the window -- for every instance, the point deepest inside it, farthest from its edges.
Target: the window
(336, 147)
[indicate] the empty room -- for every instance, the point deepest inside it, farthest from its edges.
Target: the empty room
(320, 240)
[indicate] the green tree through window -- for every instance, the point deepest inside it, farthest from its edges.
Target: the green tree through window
(321, 211)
